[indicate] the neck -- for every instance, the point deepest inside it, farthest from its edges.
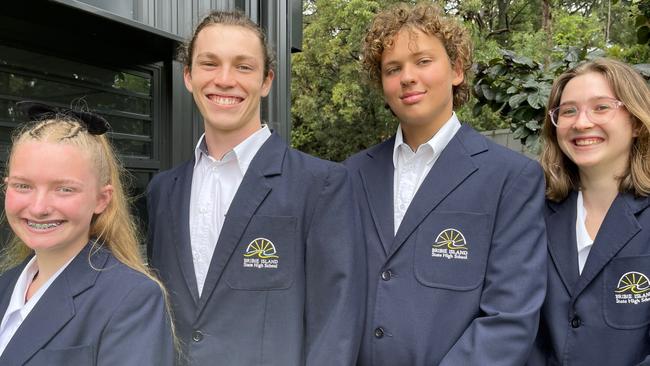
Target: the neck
(598, 190)
(415, 134)
(220, 142)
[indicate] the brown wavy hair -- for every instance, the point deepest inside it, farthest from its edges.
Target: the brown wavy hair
(630, 88)
(429, 19)
(231, 18)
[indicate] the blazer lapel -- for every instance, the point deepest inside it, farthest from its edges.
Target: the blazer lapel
(561, 224)
(54, 309)
(180, 212)
(619, 227)
(377, 180)
(453, 166)
(251, 193)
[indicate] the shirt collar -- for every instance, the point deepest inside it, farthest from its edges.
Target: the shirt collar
(582, 235)
(243, 153)
(437, 143)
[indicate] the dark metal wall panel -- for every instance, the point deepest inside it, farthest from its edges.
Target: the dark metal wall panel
(277, 106)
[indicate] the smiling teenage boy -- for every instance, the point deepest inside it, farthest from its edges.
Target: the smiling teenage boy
(454, 229)
(255, 241)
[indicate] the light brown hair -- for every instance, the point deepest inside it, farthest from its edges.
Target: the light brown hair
(630, 88)
(429, 19)
(231, 18)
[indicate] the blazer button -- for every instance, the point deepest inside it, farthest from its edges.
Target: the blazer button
(386, 275)
(379, 332)
(575, 322)
(197, 336)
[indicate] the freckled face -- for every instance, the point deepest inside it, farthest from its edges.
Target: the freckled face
(52, 194)
(227, 78)
(418, 79)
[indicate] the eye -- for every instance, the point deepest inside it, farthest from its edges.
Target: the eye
(65, 189)
(424, 61)
(568, 111)
(391, 70)
(20, 187)
(244, 67)
(602, 107)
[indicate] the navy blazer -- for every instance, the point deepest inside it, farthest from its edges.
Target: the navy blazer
(303, 307)
(601, 317)
(462, 281)
(97, 311)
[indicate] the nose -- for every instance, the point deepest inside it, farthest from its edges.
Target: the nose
(41, 205)
(224, 77)
(406, 76)
(582, 120)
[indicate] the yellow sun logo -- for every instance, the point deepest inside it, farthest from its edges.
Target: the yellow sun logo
(452, 239)
(262, 248)
(634, 282)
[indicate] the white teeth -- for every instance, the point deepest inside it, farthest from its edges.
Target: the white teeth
(584, 142)
(43, 226)
(226, 100)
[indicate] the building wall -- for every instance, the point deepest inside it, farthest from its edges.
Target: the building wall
(117, 57)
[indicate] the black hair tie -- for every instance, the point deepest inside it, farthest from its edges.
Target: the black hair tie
(94, 123)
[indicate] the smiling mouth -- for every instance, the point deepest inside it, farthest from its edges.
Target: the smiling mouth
(44, 225)
(587, 142)
(221, 100)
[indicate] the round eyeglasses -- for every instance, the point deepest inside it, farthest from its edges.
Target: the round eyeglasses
(598, 110)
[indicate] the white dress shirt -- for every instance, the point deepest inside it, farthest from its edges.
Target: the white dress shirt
(583, 240)
(412, 167)
(214, 184)
(18, 308)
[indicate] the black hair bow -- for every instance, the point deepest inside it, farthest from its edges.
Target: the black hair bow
(95, 124)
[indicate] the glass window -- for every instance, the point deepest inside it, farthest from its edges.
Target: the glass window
(124, 98)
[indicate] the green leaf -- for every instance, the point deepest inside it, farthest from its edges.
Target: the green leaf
(533, 125)
(511, 90)
(536, 100)
(516, 100)
(487, 92)
(520, 133)
(476, 110)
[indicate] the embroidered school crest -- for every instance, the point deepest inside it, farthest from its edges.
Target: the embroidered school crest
(261, 253)
(633, 288)
(450, 244)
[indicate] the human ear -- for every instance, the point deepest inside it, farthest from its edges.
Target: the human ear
(266, 84)
(459, 76)
(187, 78)
(104, 197)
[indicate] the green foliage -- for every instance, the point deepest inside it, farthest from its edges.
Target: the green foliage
(577, 30)
(642, 22)
(335, 111)
(517, 88)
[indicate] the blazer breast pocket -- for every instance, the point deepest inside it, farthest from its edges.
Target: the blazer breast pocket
(626, 292)
(265, 257)
(79, 355)
(451, 250)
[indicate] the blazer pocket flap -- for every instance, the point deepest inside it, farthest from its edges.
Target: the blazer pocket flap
(451, 250)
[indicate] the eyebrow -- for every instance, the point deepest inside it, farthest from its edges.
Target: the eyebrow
(590, 99)
(58, 181)
(412, 55)
(212, 55)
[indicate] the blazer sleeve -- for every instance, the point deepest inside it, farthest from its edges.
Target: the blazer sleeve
(139, 332)
(515, 279)
(335, 268)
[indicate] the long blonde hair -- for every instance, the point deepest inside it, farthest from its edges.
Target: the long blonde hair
(630, 88)
(114, 228)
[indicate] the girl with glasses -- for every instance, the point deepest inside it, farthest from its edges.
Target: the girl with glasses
(595, 158)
